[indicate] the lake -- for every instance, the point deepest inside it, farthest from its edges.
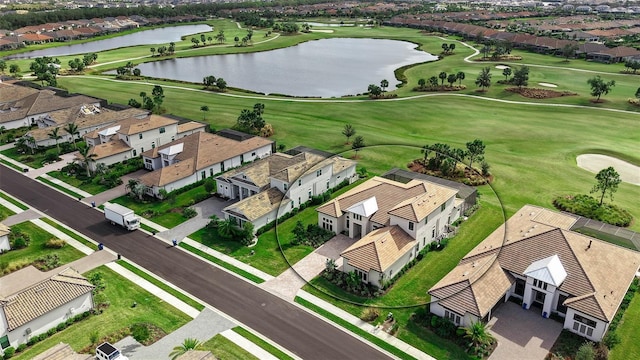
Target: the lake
(321, 68)
(163, 35)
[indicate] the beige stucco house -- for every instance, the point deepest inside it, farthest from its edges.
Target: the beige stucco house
(536, 258)
(4, 238)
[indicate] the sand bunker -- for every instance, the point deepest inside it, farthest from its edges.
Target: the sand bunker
(629, 173)
(548, 85)
(321, 31)
(501, 67)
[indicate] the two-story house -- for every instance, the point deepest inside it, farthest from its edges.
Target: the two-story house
(270, 187)
(536, 258)
(392, 221)
(198, 156)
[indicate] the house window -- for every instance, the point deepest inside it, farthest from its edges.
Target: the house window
(347, 221)
(361, 274)
(357, 217)
(319, 172)
(583, 325)
(426, 220)
(285, 186)
(327, 224)
(453, 317)
(203, 174)
(433, 233)
(4, 342)
(141, 150)
(443, 206)
(520, 285)
(135, 153)
(424, 241)
(222, 166)
(173, 138)
(153, 145)
(299, 182)
(540, 284)
(562, 308)
(211, 172)
(127, 137)
(241, 158)
(162, 130)
(140, 135)
(253, 153)
(411, 225)
(327, 184)
(309, 194)
(299, 201)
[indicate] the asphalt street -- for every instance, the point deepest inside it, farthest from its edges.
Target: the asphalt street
(298, 331)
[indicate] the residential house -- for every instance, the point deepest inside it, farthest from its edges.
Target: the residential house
(392, 221)
(23, 106)
(86, 117)
(129, 138)
(198, 156)
(4, 238)
(270, 187)
(615, 55)
(535, 258)
(32, 302)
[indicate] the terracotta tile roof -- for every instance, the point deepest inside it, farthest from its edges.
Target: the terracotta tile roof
(108, 149)
(168, 174)
(419, 207)
(205, 150)
(258, 205)
(135, 126)
(191, 125)
(390, 196)
(533, 234)
(29, 303)
(379, 249)
(36, 37)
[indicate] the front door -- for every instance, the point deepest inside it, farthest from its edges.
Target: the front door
(538, 299)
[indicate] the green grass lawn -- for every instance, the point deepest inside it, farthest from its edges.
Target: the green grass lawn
(629, 348)
(225, 349)
(73, 194)
(36, 248)
(221, 263)
(121, 294)
(11, 165)
(71, 234)
(261, 343)
(14, 201)
(89, 187)
(5, 213)
(169, 214)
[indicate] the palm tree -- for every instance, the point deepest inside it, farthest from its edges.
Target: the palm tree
(384, 84)
(348, 131)
(54, 134)
(131, 184)
(484, 78)
(478, 335)
(204, 109)
(86, 158)
(220, 37)
(72, 129)
(153, 51)
(187, 344)
(425, 150)
(226, 228)
(460, 77)
(442, 76)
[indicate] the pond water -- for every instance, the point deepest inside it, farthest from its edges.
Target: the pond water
(322, 68)
(163, 35)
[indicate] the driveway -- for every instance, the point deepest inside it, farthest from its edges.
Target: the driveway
(115, 192)
(205, 209)
(522, 334)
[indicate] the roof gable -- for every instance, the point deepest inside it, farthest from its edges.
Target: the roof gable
(364, 208)
(548, 270)
(379, 249)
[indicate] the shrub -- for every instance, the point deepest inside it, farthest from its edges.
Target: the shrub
(94, 337)
(51, 331)
(140, 332)
(55, 243)
(611, 339)
(589, 207)
(586, 351)
(189, 212)
(8, 352)
(61, 326)
(21, 348)
(369, 314)
(19, 240)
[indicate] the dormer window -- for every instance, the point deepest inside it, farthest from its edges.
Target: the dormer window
(540, 284)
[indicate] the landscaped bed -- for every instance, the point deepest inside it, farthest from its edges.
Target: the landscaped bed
(534, 93)
(117, 317)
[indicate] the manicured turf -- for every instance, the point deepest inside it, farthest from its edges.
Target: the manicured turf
(225, 349)
(263, 344)
(121, 294)
(72, 193)
(11, 165)
(36, 248)
(223, 264)
(14, 201)
(89, 187)
(186, 299)
(629, 348)
(71, 234)
(5, 213)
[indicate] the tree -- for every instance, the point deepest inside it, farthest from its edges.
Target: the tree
(205, 110)
(258, 108)
(220, 38)
(451, 79)
(426, 150)
(187, 344)
(475, 151)
(153, 51)
(506, 72)
(445, 48)
(86, 158)
(443, 77)
(72, 129)
(423, 82)
(76, 65)
(236, 40)
(521, 76)
(158, 97)
(3, 65)
(45, 69)
(433, 81)
(89, 58)
(348, 131)
(479, 337)
(358, 143)
(14, 69)
(638, 93)
(568, 51)
(460, 76)
(55, 135)
(209, 81)
(599, 87)
(451, 48)
(484, 78)
(221, 84)
(485, 51)
(384, 84)
(374, 90)
(607, 182)
(172, 48)
(203, 39)
(137, 72)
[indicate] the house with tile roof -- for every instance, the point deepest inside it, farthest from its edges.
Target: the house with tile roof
(268, 188)
(4, 238)
(392, 221)
(22, 106)
(129, 138)
(198, 156)
(535, 257)
(32, 302)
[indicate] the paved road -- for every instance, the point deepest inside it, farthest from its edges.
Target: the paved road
(303, 334)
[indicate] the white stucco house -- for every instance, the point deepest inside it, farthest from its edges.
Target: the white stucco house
(4, 238)
(391, 221)
(32, 302)
(536, 258)
(198, 156)
(22, 106)
(129, 138)
(270, 187)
